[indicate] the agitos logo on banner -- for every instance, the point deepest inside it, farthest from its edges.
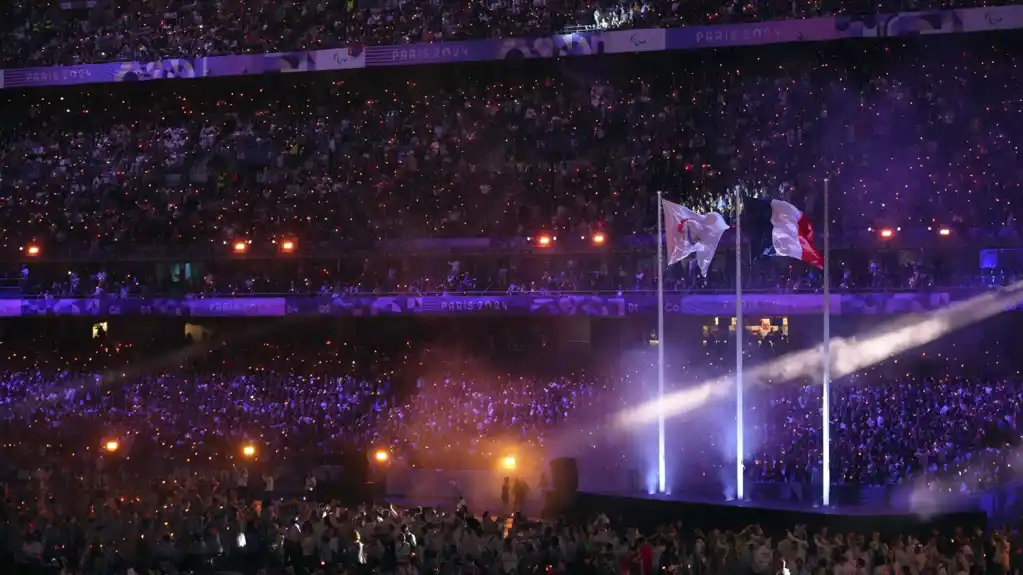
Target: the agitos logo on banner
(347, 58)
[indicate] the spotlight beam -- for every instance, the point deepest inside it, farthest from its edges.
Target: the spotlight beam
(847, 355)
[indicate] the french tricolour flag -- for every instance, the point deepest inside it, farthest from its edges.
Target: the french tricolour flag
(781, 229)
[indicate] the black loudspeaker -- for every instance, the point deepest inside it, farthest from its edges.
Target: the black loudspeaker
(560, 500)
(564, 476)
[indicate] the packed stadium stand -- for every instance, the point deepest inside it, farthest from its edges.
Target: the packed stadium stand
(916, 146)
(478, 243)
(46, 34)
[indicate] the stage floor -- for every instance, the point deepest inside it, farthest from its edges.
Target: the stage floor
(649, 511)
(534, 504)
(800, 506)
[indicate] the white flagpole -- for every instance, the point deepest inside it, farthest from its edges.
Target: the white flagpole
(739, 336)
(826, 396)
(662, 479)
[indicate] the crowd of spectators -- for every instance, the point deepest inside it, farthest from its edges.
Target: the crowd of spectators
(44, 34)
(438, 275)
(195, 524)
(913, 135)
(917, 137)
(180, 415)
(888, 433)
(435, 408)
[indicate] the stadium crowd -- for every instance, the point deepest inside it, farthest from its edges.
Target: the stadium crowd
(915, 143)
(179, 417)
(914, 136)
(433, 408)
(195, 525)
(958, 427)
(42, 34)
(436, 275)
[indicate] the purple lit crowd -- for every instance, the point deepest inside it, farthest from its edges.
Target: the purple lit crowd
(41, 34)
(962, 429)
(295, 403)
(181, 414)
(314, 399)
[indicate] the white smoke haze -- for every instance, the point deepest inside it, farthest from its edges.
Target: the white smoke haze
(615, 459)
(930, 497)
(847, 356)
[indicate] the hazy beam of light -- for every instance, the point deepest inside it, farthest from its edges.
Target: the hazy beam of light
(113, 377)
(847, 355)
(931, 496)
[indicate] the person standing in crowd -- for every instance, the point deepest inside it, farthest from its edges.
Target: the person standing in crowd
(268, 483)
(520, 494)
(1002, 553)
(506, 495)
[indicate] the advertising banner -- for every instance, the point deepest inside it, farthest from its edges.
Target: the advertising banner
(480, 305)
(439, 53)
(167, 69)
(842, 27)
(286, 62)
(556, 46)
(238, 307)
(10, 308)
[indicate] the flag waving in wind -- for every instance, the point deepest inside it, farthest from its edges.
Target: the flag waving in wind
(781, 229)
(688, 232)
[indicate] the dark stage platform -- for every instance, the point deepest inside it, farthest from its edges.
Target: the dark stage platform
(653, 510)
(649, 511)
